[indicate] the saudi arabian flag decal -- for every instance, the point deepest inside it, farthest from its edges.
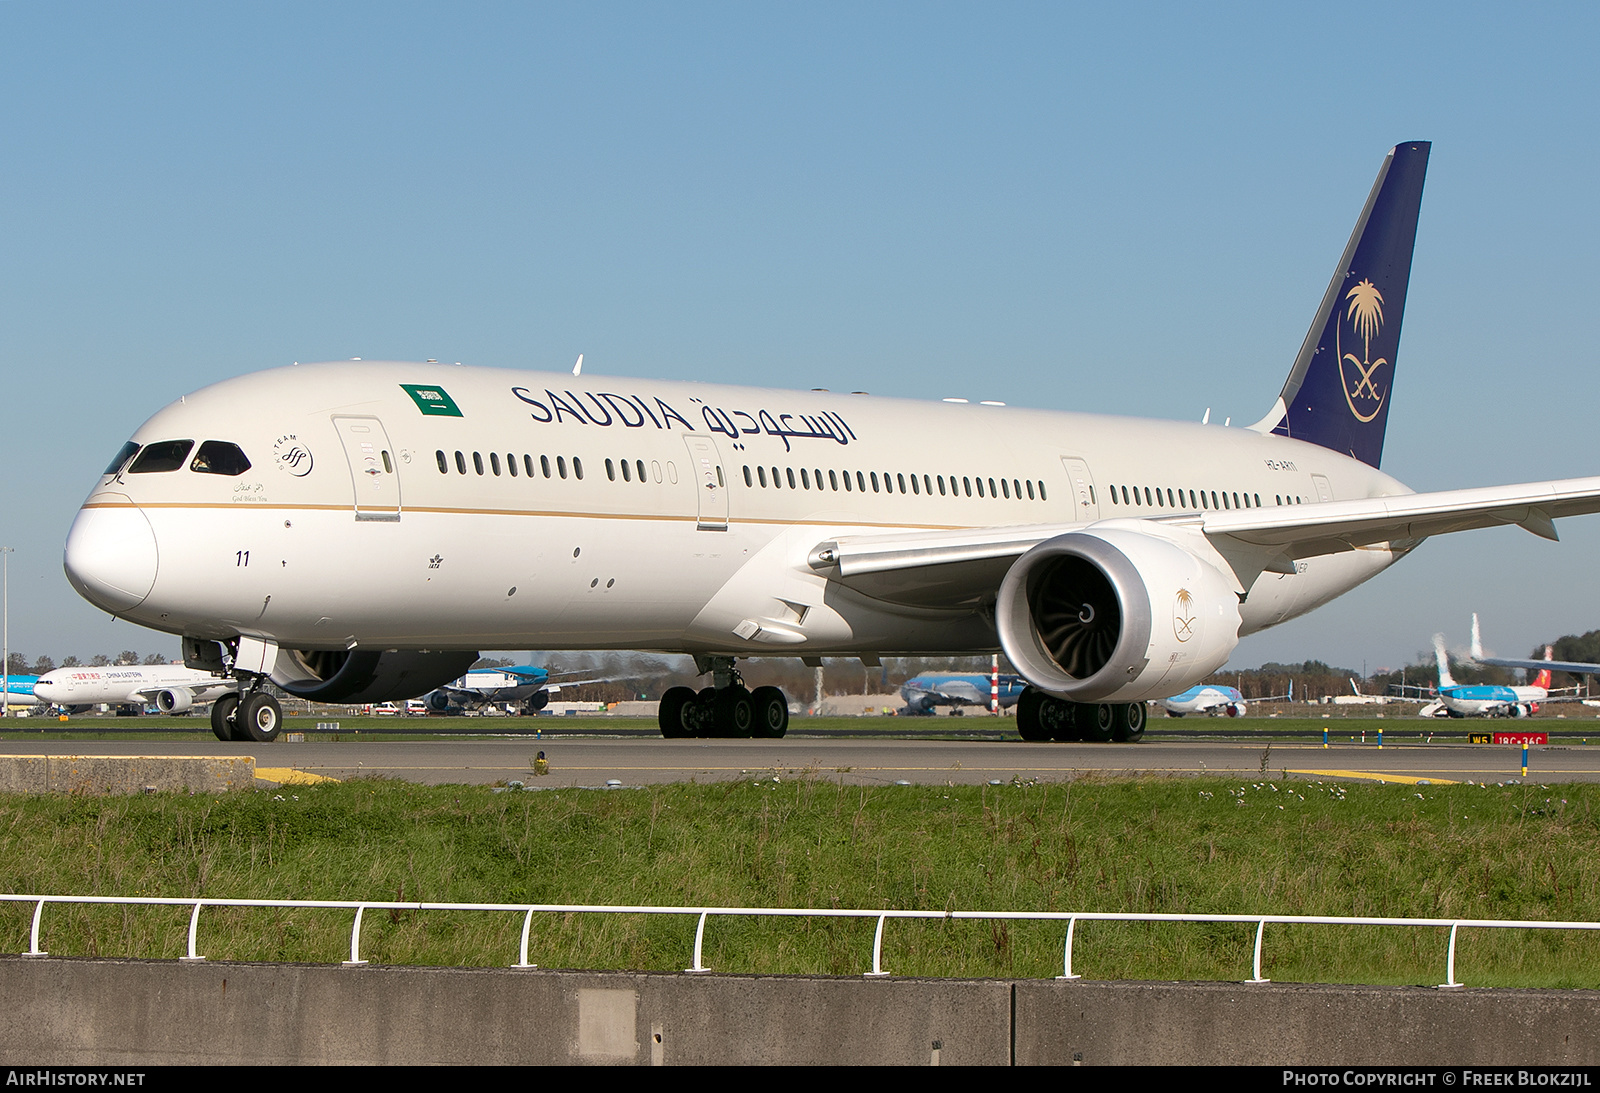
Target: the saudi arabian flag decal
(431, 400)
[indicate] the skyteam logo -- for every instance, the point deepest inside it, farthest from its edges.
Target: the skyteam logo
(292, 456)
(1360, 376)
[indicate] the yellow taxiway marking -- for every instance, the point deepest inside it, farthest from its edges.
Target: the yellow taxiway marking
(288, 776)
(1403, 779)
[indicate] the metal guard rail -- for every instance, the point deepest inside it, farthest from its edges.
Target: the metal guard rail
(528, 910)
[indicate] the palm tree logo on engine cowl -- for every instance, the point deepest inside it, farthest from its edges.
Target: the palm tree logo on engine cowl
(1183, 617)
(1365, 315)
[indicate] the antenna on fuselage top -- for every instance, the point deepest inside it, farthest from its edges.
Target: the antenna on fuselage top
(577, 368)
(1205, 418)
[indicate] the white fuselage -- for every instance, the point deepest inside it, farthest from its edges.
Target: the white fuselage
(368, 518)
(126, 684)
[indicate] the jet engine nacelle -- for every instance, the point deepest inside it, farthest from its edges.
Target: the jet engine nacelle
(366, 675)
(174, 701)
(1114, 613)
(1518, 710)
(437, 702)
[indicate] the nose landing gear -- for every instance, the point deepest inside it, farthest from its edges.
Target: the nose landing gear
(251, 716)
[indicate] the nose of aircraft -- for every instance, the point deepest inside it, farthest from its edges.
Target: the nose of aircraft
(111, 553)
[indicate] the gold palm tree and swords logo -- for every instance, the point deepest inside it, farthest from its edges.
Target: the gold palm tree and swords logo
(1365, 314)
(1183, 615)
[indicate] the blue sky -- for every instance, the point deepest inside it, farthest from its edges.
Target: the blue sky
(1128, 208)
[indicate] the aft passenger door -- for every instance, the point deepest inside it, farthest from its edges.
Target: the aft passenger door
(711, 486)
(374, 470)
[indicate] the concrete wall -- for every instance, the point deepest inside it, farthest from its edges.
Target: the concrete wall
(106, 774)
(110, 1012)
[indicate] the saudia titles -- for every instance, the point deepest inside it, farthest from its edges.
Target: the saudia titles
(633, 412)
(1365, 316)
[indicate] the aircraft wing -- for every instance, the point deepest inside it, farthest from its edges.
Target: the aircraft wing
(1576, 667)
(196, 690)
(964, 567)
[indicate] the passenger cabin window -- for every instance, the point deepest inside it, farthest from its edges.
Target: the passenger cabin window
(164, 455)
(221, 457)
(122, 457)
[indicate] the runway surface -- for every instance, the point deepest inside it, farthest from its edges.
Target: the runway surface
(598, 760)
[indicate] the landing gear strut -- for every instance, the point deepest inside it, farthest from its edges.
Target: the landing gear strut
(250, 715)
(1045, 717)
(725, 709)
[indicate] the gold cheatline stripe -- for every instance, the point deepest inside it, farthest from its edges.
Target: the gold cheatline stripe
(497, 512)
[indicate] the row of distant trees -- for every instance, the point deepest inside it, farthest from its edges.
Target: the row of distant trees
(17, 664)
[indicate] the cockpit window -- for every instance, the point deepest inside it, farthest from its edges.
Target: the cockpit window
(219, 457)
(122, 457)
(164, 455)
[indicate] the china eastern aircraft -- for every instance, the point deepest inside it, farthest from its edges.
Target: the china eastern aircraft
(358, 531)
(171, 688)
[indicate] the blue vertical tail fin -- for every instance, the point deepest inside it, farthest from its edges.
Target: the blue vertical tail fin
(1337, 394)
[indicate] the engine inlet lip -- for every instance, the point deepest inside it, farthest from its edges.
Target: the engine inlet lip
(1020, 638)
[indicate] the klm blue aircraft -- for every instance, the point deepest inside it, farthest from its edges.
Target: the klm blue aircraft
(1208, 698)
(524, 684)
(922, 693)
(19, 691)
(1487, 700)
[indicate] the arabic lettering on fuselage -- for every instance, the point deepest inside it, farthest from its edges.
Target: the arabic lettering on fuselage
(632, 411)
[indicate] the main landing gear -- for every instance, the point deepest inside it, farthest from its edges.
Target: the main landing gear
(251, 715)
(1044, 717)
(725, 709)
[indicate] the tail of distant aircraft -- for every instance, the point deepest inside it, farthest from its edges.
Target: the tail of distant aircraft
(1543, 678)
(1445, 679)
(1337, 394)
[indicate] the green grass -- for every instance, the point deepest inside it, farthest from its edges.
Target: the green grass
(1165, 845)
